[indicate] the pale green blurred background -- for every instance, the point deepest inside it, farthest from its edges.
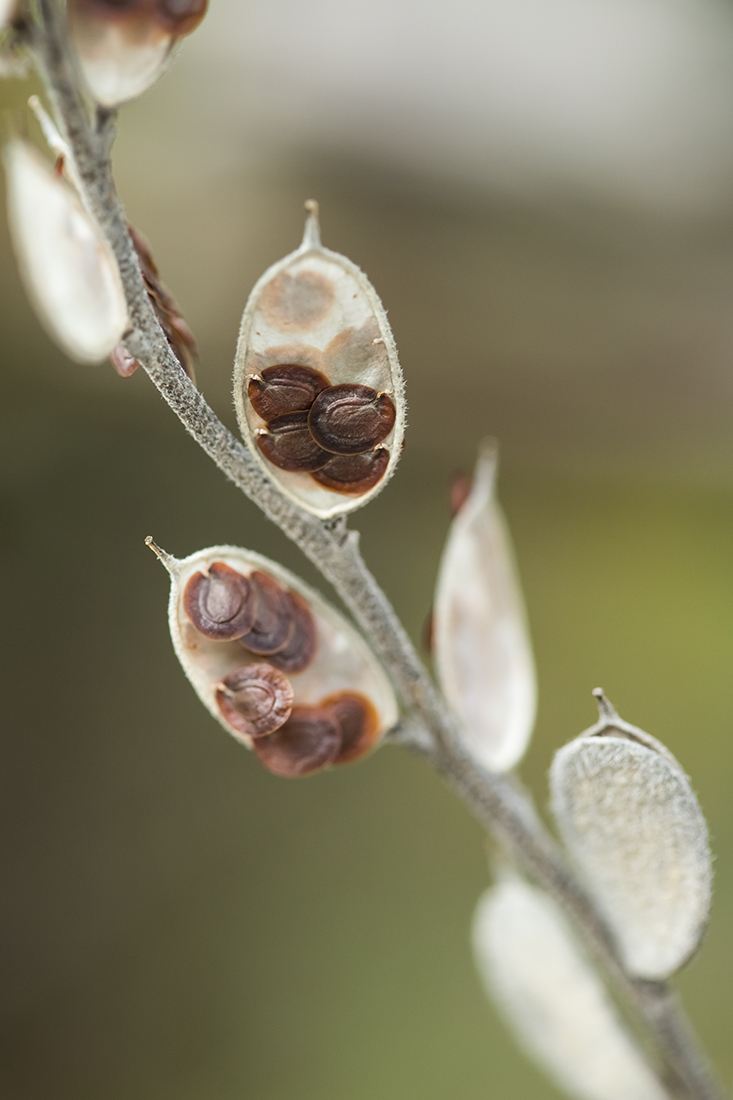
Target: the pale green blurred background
(543, 196)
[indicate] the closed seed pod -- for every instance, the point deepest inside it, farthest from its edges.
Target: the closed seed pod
(322, 676)
(315, 342)
(631, 821)
(68, 269)
(482, 650)
(553, 1000)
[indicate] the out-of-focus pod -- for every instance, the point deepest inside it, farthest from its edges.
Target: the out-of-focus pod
(534, 969)
(631, 821)
(317, 384)
(68, 269)
(281, 670)
(7, 11)
(123, 46)
(483, 653)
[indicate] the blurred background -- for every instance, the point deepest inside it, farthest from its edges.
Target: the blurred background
(542, 193)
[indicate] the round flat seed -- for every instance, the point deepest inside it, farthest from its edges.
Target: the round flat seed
(351, 419)
(275, 618)
(283, 389)
(300, 650)
(255, 699)
(353, 474)
(358, 721)
(307, 742)
(220, 603)
(289, 445)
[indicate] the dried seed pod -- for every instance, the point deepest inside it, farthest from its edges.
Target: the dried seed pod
(274, 621)
(324, 660)
(220, 602)
(309, 741)
(483, 654)
(632, 823)
(533, 967)
(255, 699)
(68, 269)
(285, 388)
(316, 312)
(288, 444)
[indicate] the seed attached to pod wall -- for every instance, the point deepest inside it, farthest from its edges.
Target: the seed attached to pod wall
(300, 649)
(255, 699)
(353, 474)
(274, 621)
(220, 603)
(285, 388)
(306, 743)
(357, 720)
(351, 419)
(288, 444)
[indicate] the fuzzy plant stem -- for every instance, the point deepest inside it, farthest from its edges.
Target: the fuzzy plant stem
(497, 801)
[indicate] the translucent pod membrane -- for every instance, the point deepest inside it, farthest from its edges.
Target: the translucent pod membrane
(632, 823)
(317, 384)
(68, 269)
(123, 46)
(278, 667)
(483, 653)
(533, 967)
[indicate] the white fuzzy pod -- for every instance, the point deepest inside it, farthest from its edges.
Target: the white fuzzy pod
(532, 966)
(119, 60)
(7, 8)
(632, 823)
(68, 269)
(483, 652)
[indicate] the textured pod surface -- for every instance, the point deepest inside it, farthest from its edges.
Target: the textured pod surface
(330, 668)
(533, 967)
(483, 653)
(68, 269)
(313, 323)
(632, 823)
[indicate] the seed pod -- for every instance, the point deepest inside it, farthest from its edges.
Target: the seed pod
(68, 269)
(7, 11)
(483, 654)
(315, 340)
(632, 823)
(323, 669)
(533, 967)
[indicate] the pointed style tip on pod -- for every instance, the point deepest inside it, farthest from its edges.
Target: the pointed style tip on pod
(482, 650)
(275, 664)
(630, 820)
(317, 384)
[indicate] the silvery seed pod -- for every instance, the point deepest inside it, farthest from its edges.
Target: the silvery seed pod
(483, 653)
(276, 665)
(631, 821)
(7, 11)
(533, 968)
(317, 384)
(68, 269)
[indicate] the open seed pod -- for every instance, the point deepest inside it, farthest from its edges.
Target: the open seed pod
(483, 653)
(317, 385)
(533, 968)
(632, 823)
(68, 269)
(281, 670)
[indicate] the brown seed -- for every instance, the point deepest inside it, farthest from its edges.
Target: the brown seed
(286, 388)
(255, 699)
(353, 474)
(307, 742)
(178, 17)
(220, 603)
(289, 445)
(350, 419)
(300, 650)
(181, 16)
(358, 721)
(274, 618)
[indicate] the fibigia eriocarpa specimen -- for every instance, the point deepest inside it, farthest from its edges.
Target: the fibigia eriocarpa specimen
(317, 384)
(483, 653)
(533, 967)
(281, 670)
(631, 821)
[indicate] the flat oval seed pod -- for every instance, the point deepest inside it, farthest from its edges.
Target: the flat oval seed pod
(351, 419)
(332, 658)
(316, 309)
(288, 444)
(285, 388)
(358, 722)
(632, 823)
(274, 620)
(309, 741)
(220, 603)
(533, 968)
(302, 645)
(483, 654)
(255, 699)
(68, 269)
(353, 474)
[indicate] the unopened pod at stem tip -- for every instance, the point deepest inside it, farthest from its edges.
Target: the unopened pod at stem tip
(317, 383)
(275, 664)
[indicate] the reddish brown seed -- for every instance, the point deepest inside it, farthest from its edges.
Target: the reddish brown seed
(177, 17)
(300, 650)
(124, 364)
(307, 742)
(460, 490)
(181, 16)
(351, 419)
(220, 603)
(289, 445)
(358, 721)
(274, 618)
(353, 474)
(286, 388)
(255, 699)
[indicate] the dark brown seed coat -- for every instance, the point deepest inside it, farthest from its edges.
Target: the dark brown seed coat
(255, 699)
(307, 742)
(350, 419)
(285, 388)
(220, 603)
(274, 618)
(300, 650)
(289, 445)
(358, 721)
(353, 474)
